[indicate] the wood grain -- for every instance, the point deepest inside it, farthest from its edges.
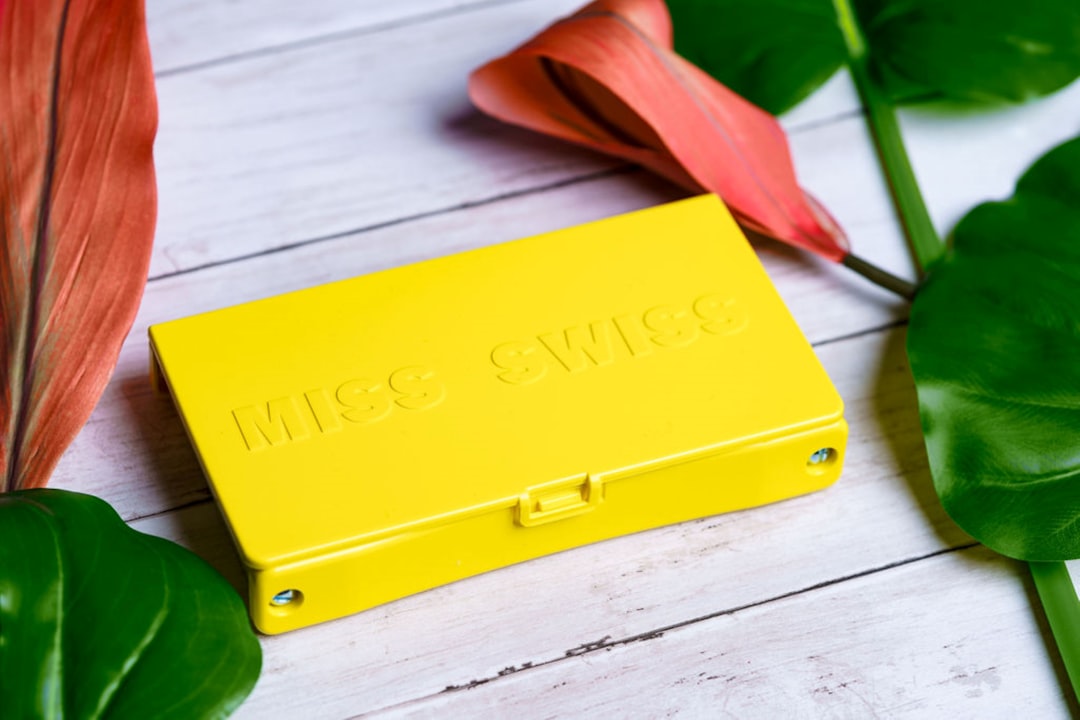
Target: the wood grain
(271, 151)
(862, 649)
(188, 35)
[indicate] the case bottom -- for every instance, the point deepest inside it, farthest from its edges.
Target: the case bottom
(344, 582)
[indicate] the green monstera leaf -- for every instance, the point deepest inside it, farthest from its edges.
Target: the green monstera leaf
(776, 52)
(100, 621)
(994, 344)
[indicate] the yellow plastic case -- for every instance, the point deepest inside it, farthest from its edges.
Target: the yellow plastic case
(376, 437)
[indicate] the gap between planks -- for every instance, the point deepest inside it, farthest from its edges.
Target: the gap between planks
(588, 177)
(905, 643)
(277, 151)
(608, 643)
(348, 33)
(425, 215)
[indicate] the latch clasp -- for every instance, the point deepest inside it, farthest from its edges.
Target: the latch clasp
(558, 500)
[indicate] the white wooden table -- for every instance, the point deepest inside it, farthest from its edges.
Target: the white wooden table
(303, 142)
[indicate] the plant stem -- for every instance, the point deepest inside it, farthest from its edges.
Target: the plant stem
(1052, 580)
(1054, 584)
(879, 276)
(881, 115)
(1062, 608)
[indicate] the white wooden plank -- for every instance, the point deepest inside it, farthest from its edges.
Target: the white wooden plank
(277, 150)
(835, 99)
(951, 636)
(194, 32)
(133, 451)
(187, 35)
(964, 158)
(272, 151)
(882, 511)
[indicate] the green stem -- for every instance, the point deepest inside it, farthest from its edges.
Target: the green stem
(1052, 580)
(881, 115)
(1062, 608)
(879, 277)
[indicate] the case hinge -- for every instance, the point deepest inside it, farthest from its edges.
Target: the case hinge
(558, 500)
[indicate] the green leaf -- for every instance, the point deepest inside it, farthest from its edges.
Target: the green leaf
(994, 343)
(776, 52)
(100, 621)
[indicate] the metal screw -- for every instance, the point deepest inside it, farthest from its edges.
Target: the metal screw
(283, 598)
(822, 455)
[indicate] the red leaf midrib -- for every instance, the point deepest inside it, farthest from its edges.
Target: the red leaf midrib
(40, 255)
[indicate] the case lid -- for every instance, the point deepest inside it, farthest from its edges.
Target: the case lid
(361, 409)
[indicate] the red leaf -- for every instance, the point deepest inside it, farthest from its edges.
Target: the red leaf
(607, 78)
(78, 115)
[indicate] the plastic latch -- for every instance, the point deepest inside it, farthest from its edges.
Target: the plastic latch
(559, 500)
